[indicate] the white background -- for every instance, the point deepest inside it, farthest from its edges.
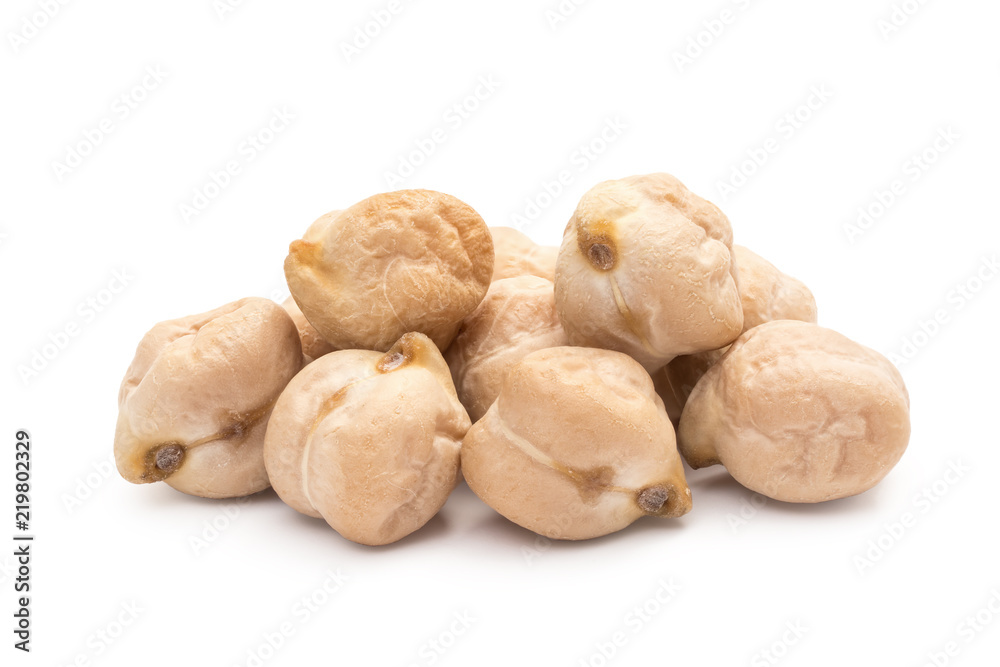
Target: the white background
(858, 589)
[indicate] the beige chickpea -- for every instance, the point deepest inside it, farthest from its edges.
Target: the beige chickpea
(798, 413)
(195, 402)
(369, 441)
(313, 345)
(646, 268)
(766, 295)
(577, 445)
(413, 260)
(518, 255)
(517, 317)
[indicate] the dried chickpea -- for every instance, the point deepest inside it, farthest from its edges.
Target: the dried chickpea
(195, 402)
(412, 260)
(313, 345)
(368, 441)
(517, 317)
(518, 255)
(798, 413)
(646, 268)
(577, 445)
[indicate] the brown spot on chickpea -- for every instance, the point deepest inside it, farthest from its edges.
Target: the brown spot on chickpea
(596, 241)
(163, 459)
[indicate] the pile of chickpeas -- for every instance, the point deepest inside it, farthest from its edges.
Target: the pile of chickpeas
(568, 386)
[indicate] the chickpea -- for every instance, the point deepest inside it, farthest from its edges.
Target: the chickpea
(577, 445)
(767, 294)
(518, 255)
(313, 345)
(646, 268)
(368, 441)
(518, 316)
(798, 413)
(413, 260)
(195, 402)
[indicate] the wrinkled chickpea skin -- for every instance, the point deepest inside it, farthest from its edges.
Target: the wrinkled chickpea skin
(412, 260)
(517, 317)
(646, 268)
(369, 441)
(798, 413)
(313, 345)
(577, 445)
(518, 255)
(195, 402)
